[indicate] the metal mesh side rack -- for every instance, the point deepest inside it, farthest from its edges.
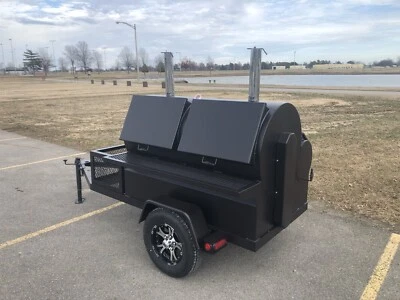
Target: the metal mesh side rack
(104, 172)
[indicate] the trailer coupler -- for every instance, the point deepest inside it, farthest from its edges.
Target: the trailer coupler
(79, 172)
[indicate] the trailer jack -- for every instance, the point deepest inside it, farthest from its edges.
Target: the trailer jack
(79, 172)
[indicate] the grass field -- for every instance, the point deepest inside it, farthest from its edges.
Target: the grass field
(356, 140)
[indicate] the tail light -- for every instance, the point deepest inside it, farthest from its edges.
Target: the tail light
(214, 247)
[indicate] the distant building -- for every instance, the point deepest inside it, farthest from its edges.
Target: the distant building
(14, 71)
(297, 67)
(278, 67)
(338, 66)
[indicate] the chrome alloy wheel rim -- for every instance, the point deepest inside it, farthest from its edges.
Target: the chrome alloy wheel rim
(165, 243)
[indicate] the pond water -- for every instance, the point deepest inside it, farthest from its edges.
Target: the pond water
(381, 80)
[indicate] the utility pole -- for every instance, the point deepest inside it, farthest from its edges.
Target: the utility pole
(54, 57)
(294, 57)
(2, 54)
(12, 55)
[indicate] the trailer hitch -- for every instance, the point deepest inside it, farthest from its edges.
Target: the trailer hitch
(79, 171)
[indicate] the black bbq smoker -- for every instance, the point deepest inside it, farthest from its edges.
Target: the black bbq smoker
(205, 172)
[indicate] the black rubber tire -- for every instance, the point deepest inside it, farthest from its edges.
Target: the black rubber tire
(190, 257)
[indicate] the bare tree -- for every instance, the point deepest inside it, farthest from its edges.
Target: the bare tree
(188, 64)
(210, 64)
(159, 63)
(62, 62)
(117, 65)
(126, 58)
(202, 66)
(144, 57)
(98, 60)
(70, 52)
(159, 58)
(185, 63)
(45, 59)
(83, 55)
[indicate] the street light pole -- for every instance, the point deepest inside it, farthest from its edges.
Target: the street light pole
(136, 46)
(12, 55)
(54, 57)
(105, 61)
(2, 54)
(137, 57)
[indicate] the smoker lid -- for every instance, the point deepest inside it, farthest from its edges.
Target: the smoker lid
(153, 120)
(222, 129)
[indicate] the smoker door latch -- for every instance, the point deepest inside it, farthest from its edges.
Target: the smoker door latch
(143, 148)
(210, 161)
(311, 176)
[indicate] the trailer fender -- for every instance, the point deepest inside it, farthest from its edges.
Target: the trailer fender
(192, 214)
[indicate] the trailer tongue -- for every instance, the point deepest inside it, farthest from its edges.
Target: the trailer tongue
(205, 173)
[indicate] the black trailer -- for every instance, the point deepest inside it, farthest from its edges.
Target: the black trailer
(205, 173)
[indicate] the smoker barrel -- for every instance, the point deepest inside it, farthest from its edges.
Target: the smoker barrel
(246, 165)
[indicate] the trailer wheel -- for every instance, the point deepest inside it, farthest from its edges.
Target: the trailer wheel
(170, 243)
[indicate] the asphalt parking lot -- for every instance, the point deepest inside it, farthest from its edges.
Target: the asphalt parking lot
(51, 248)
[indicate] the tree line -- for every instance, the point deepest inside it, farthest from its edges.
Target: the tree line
(80, 57)
(78, 54)
(190, 65)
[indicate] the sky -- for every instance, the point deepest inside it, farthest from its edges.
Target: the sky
(361, 30)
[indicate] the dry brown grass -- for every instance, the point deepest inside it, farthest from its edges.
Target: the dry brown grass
(356, 140)
(357, 157)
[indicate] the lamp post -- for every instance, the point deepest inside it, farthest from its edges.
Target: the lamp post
(54, 57)
(12, 55)
(137, 59)
(2, 55)
(105, 58)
